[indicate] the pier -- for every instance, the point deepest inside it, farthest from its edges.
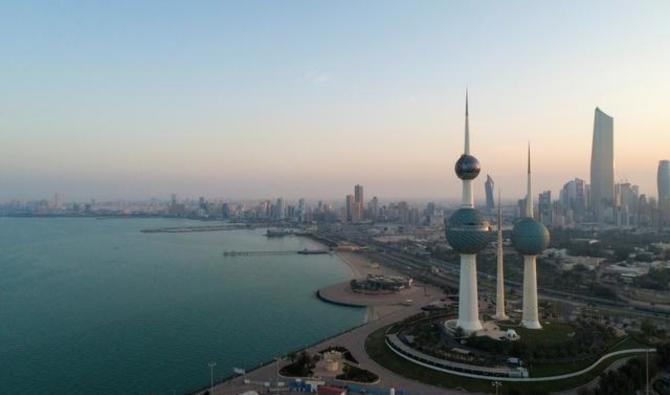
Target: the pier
(232, 254)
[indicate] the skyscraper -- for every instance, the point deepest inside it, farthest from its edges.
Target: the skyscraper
(573, 199)
(530, 238)
(349, 208)
(489, 185)
(358, 199)
(468, 233)
(544, 207)
(602, 165)
(374, 207)
(663, 182)
(280, 209)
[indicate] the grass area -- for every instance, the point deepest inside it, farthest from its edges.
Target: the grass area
(353, 373)
(377, 349)
(551, 333)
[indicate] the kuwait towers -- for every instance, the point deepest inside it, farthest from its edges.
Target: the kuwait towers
(530, 238)
(468, 233)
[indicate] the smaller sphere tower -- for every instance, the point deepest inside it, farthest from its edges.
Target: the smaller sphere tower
(530, 238)
(468, 233)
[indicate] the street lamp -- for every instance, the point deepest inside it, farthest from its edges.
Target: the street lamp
(496, 384)
(211, 376)
(647, 371)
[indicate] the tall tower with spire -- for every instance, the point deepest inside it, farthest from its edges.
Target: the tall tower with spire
(530, 238)
(468, 233)
(500, 274)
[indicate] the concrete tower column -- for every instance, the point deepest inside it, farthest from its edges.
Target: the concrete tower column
(500, 274)
(530, 238)
(530, 317)
(468, 302)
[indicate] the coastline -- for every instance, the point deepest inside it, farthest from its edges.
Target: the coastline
(378, 313)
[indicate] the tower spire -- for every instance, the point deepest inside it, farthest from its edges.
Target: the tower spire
(529, 192)
(499, 216)
(466, 150)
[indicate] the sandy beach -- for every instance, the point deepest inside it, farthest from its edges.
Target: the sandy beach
(378, 305)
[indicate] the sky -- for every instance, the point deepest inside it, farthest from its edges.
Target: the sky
(140, 99)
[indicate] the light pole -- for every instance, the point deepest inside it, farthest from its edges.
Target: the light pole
(496, 385)
(647, 381)
(211, 376)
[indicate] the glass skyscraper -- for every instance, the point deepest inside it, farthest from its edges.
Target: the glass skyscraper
(488, 186)
(602, 165)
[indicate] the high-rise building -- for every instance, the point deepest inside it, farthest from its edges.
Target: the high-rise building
(488, 186)
(626, 204)
(573, 199)
(663, 183)
(280, 209)
(530, 238)
(602, 166)
(544, 208)
(358, 193)
(350, 203)
(468, 233)
(358, 199)
(374, 208)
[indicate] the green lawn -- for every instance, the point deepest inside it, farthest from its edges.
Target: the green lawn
(377, 349)
(551, 333)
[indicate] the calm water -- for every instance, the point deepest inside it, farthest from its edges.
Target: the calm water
(96, 307)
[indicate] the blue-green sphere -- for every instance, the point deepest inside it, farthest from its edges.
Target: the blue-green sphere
(530, 237)
(468, 232)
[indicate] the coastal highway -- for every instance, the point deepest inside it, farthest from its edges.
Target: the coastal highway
(448, 276)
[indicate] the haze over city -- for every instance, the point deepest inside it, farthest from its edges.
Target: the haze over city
(304, 99)
(297, 197)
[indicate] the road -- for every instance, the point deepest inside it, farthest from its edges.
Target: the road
(354, 341)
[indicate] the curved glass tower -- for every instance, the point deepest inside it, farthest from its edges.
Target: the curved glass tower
(602, 165)
(468, 233)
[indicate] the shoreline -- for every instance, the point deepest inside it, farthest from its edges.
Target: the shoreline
(386, 310)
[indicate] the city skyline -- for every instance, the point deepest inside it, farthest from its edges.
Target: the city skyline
(90, 111)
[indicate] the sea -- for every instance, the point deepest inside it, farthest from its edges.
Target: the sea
(95, 306)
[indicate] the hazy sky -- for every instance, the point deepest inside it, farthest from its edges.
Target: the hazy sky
(137, 99)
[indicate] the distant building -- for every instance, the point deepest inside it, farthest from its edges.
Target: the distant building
(489, 185)
(573, 200)
(359, 200)
(663, 183)
(626, 204)
(602, 166)
(373, 208)
(279, 209)
(544, 208)
(349, 208)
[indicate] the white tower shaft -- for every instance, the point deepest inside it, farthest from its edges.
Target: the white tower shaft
(530, 318)
(500, 274)
(468, 301)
